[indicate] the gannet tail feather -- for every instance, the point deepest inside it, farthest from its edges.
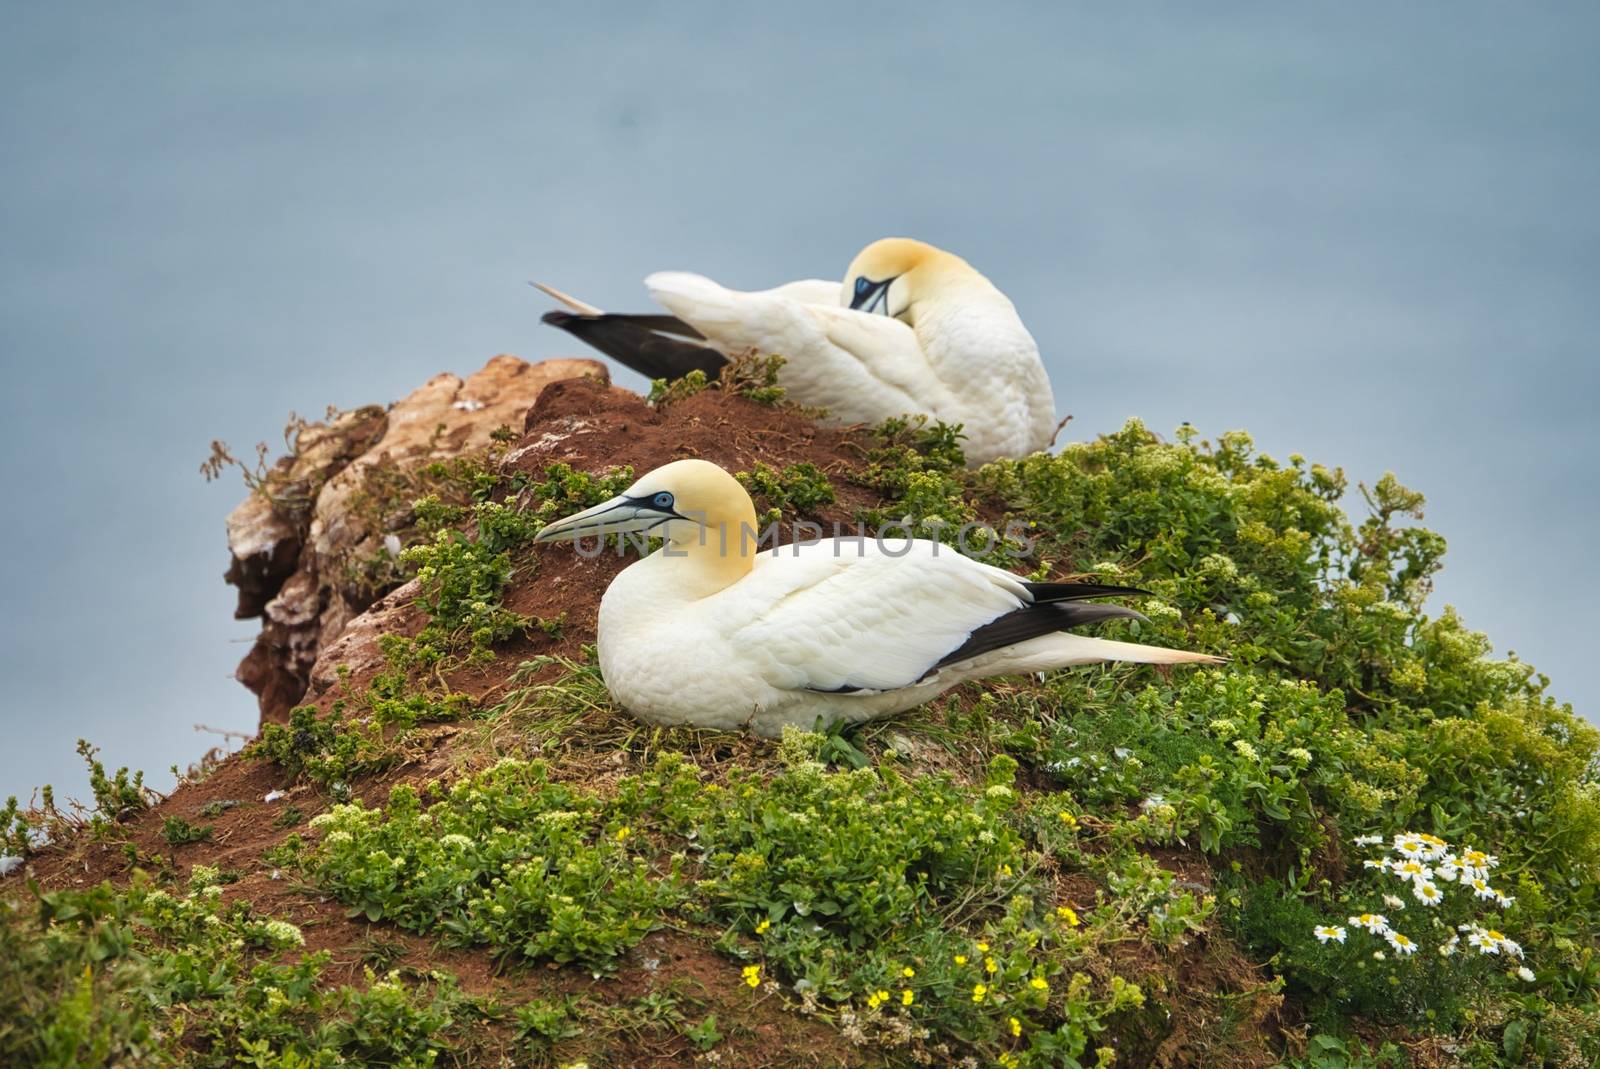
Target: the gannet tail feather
(1063, 651)
(656, 346)
(581, 307)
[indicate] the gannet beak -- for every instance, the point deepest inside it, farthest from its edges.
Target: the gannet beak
(620, 515)
(867, 298)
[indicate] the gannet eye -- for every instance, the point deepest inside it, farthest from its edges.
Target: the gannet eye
(662, 501)
(862, 285)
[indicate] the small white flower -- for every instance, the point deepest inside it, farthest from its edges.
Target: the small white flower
(1368, 840)
(1393, 902)
(1525, 972)
(1447, 949)
(1401, 944)
(1427, 893)
(1411, 869)
(1376, 923)
(1408, 844)
(1327, 932)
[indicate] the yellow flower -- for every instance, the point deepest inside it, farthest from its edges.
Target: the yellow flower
(978, 991)
(873, 1001)
(906, 997)
(1068, 819)
(623, 832)
(761, 929)
(1008, 1060)
(1039, 983)
(989, 966)
(983, 947)
(1016, 1027)
(960, 959)
(1005, 870)
(1068, 914)
(752, 975)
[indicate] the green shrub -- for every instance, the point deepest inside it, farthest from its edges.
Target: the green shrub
(507, 859)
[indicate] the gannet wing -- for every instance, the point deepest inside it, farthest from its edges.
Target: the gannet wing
(825, 617)
(860, 367)
(809, 291)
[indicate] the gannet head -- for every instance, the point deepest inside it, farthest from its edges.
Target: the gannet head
(891, 275)
(699, 509)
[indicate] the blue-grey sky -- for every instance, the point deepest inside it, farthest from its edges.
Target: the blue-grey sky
(1365, 232)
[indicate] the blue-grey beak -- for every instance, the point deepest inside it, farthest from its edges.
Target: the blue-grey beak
(870, 300)
(620, 515)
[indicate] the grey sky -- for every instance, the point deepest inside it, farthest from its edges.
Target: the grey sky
(1368, 234)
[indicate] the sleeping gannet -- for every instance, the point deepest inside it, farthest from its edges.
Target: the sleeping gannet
(712, 631)
(913, 330)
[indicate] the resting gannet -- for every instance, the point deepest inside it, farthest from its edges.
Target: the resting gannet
(913, 330)
(712, 631)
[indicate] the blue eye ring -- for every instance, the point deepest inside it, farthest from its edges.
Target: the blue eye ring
(862, 284)
(663, 500)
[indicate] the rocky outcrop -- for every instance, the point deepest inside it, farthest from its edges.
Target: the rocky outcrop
(293, 538)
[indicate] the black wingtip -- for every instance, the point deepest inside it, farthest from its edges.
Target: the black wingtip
(1048, 592)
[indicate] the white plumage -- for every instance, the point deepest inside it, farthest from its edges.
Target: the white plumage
(913, 330)
(707, 631)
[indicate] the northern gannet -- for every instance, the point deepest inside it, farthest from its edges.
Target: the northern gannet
(713, 631)
(913, 330)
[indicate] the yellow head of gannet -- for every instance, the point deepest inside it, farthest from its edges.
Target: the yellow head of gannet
(702, 513)
(892, 275)
(711, 632)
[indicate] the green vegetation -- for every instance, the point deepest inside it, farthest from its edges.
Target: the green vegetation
(146, 977)
(799, 489)
(1204, 866)
(753, 377)
(464, 576)
(179, 832)
(507, 859)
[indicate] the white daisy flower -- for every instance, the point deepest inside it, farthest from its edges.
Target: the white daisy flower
(1448, 869)
(1376, 923)
(1504, 900)
(1510, 946)
(1408, 844)
(1433, 847)
(1368, 840)
(1447, 949)
(1329, 932)
(1427, 893)
(1381, 864)
(1411, 869)
(1401, 944)
(1482, 889)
